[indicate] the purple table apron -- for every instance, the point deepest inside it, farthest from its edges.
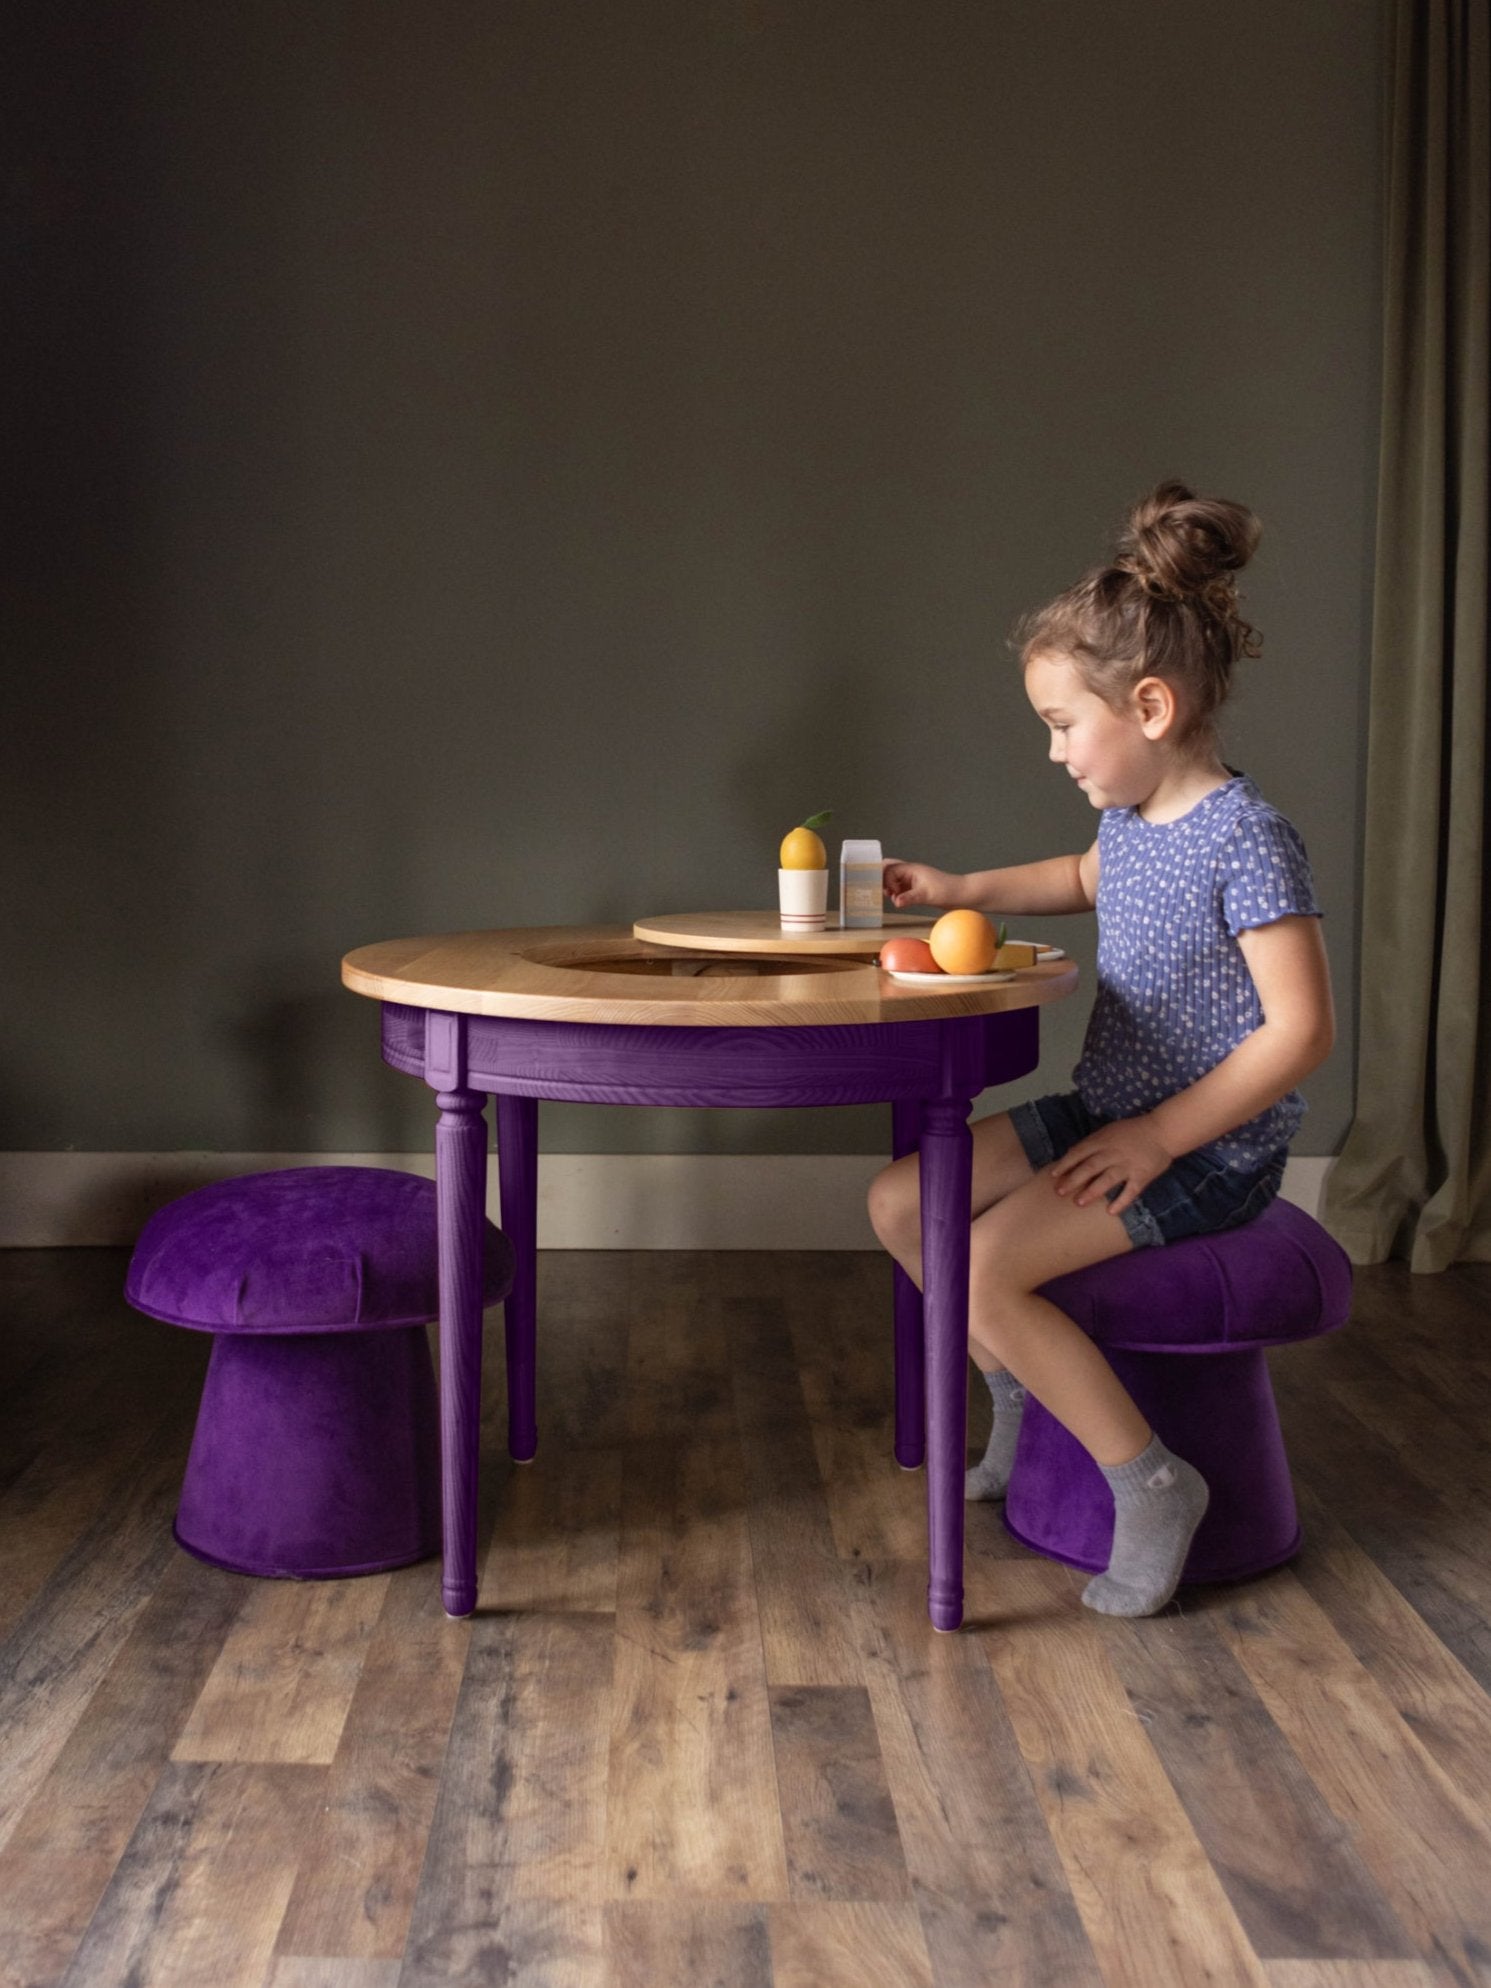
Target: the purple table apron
(929, 1072)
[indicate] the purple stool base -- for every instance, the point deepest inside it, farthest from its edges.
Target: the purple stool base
(315, 1456)
(1217, 1411)
(1184, 1328)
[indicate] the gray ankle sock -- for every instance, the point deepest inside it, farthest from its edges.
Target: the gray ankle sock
(1159, 1500)
(989, 1478)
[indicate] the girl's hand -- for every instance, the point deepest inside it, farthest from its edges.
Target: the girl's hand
(1126, 1155)
(907, 884)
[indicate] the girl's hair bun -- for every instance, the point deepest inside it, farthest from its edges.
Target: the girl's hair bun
(1182, 547)
(1167, 605)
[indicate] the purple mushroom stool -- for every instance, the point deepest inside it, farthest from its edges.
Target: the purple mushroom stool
(316, 1451)
(1185, 1329)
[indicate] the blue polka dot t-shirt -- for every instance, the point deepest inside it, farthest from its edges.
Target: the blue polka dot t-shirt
(1174, 992)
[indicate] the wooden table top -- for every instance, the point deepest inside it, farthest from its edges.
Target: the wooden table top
(605, 973)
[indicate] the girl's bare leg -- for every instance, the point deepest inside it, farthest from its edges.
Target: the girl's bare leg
(1018, 1244)
(1030, 1236)
(999, 1167)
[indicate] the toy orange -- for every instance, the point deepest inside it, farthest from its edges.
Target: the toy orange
(963, 942)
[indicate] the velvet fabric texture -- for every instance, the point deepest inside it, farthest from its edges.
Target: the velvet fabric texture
(316, 1452)
(1185, 1329)
(310, 1249)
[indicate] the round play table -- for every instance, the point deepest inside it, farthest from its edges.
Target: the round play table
(597, 1015)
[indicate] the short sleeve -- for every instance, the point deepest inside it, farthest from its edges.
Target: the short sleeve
(1266, 873)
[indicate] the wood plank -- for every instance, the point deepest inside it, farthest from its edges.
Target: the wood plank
(1426, 1343)
(838, 1309)
(586, 1302)
(355, 1887)
(1430, 1546)
(557, 1532)
(1355, 1974)
(993, 1899)
(837, 1814)
(693, 1809)
(848, 1946)
(1153, 1906)
(514, 1865)
(1427, 1846)
(282, 1686)
(68, 1460)
(61, 1648)
(66, 1329)
(79, 1821)
(648, 1945)
(1295, 1881)
(1431, 1691)
(805, 1596)
(526, 1941)
(298, 1971)
(1369, 1376)
(199, 1894)
(677, 1385)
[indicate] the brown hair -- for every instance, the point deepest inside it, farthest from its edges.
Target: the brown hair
(1167, 606)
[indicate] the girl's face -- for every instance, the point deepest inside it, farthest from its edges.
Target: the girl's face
(1115, 757)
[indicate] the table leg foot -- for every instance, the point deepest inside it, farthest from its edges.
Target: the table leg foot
(458, 1604)
(946, 1610)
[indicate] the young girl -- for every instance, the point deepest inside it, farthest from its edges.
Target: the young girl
(1213, 1002)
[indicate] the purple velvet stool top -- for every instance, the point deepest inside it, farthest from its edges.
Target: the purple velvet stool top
(309, 1249)
(1275, 1280)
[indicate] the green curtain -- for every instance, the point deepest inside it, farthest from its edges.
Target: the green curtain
(1414, 1177)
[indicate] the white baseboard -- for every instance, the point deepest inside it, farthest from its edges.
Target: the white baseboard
(585, 1200)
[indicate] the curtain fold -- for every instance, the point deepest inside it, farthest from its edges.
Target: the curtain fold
(1414, 1176)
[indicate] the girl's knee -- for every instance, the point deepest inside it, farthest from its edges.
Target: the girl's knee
(895, 1205)
(996, 1274)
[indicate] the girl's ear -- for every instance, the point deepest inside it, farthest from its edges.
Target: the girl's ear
(1156, 705)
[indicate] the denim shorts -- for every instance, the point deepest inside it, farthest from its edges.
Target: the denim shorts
(1194, 1196)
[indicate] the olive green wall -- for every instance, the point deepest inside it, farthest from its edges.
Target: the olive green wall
(490, 464)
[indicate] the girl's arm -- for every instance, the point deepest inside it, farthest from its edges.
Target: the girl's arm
(1059, 884)
(1288, 965)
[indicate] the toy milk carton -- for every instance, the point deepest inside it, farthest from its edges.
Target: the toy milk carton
(861, 868)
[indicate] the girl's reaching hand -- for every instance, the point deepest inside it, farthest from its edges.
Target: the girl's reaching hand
(1124, 1155)
(907, 884)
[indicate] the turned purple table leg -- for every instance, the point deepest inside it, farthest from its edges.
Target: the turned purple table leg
(911, 1380)
(461, 1194)
(517, 1171)
(946, 1198)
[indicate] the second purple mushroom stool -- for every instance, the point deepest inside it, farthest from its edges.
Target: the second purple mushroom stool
(1185, 1328)
(317, 1450)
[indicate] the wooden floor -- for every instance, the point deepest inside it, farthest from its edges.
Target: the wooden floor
(700, 1731)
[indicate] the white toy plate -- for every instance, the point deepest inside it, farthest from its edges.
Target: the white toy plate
(950, 979)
